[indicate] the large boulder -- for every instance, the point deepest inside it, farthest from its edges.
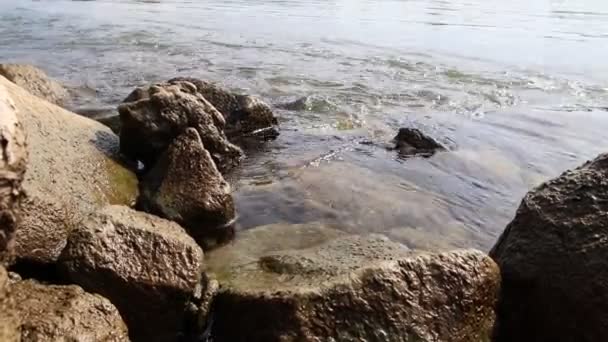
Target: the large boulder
(73, 169)
(147, 266)
(49, 313)
(356, 288)
(554, 261)
(13, 159)
(9, 322)
(35, 81)
(185, 186)
(152, 118)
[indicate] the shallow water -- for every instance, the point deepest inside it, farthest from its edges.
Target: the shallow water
(516, 89)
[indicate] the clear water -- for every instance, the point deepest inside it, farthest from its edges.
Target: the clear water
(517, 89)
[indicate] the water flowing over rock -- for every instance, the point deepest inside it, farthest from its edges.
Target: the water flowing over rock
(186, 187)
(412, 141)
(147, 266)
(152, 118)
(13, 159)
(49, 313)
(356, 288)
(35, 81)
(554, 261)
(72, 170)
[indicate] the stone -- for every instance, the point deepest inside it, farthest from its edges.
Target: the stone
(112, 121)
(152, 118)
(185, 186)
(35, 81)
(73, 169)
(13, 160)
(553, 258)
(147, 266)
(412, 141)
(355, 288)
(50, 313)
(9, 322)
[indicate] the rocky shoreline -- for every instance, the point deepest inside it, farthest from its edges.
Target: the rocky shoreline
(105, 235)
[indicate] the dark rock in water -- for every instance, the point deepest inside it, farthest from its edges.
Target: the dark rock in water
(147, 266)
(35, 81)
(9, 322)
(13, 159)
(245, 115)
(112, 121)
(554, 261)
(49, 313)
(151, 118)
(411, 141)
(358, 289)
(186, 187)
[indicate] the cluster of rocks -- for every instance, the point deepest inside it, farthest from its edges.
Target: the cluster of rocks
(95, 248)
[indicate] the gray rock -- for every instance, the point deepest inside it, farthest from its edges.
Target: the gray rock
(411, 141)
(35, 81)
(186, 187)
(553, 258)
(151, 118)
(147, 266)
(50, 313)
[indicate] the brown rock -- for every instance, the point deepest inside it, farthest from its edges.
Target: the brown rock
(13, 159)
(185, 186)
(147, 266)
(153, 117)
(35, 81)
(65, 313)
(72, 170)
(9, 322)
(411, 141)
(553, 258)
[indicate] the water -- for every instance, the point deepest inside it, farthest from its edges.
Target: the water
(516, 89)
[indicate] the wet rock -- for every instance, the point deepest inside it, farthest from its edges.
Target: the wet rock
(412, 141)
(554, 260)
(65, 313)
(72, 170)
(112, 121)
(9, 322)
(13, 159)
(147, 266)
(245, 115)
(185, 186)
(151, 118)
(35, 81)
(357, 288)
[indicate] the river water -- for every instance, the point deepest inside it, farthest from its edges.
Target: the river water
(518, 91)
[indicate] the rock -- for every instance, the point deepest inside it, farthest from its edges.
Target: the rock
(112, 121)
(9, 322)
(35, 81)
(554, 260)
(147, 266)
(72, 170)
(153, 117)
(411, 141)
(65, 313)
(185, 186)
(13, 159)
(245, 115)
(357, 288)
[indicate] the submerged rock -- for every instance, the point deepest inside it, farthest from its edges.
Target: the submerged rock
(147, 266)
(35, 81)
(151, 118)
(49, 313)
(185, 186)
(412, 141)
(13, 159)
(72, 171)
(357, 288)
(554, 261)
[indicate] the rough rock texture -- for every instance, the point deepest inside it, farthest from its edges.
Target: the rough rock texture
(147, 266)
(410, 141)
(34, 81)
(9, 323)
(554, 261)
(357, 289)
(72, 170)
(50, 313)
(186, 187)
(152, 118)
(13, 159)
